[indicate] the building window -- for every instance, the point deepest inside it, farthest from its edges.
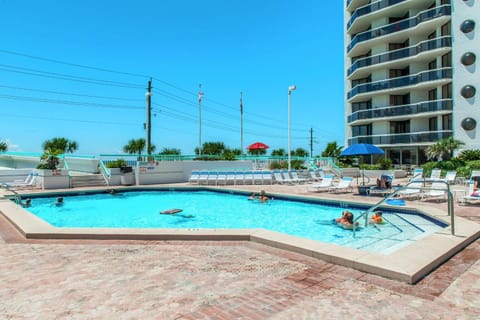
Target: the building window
(447, 91)
(400, 126)
(398, 45)
(432, 65)
(432, 124)
(432, 94)
(360, 81)
(432, 35)
(447, 122)
(447, 29)
(394, 73)
(364, 105)
(398, 100)
(445, 2)
(447, 60)
(363, 130)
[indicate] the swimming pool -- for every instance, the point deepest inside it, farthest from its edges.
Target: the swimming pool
(222, 210)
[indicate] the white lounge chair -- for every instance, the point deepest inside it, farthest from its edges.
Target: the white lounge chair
(295, 178)
(450, 177)
(414, 191)
(257, 177)
(471, 196)
(279, 178)
(434, 192)
(323, 185)
(267, 177)
(30, 184)
(344, 185)
(212, 178)
(194, 177)
(436, 173)
(231, 177)
(221, 178)
(313, 176)
(203, 177)
(417, 174)
(248, 177)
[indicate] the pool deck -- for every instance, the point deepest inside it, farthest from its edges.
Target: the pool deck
(178, 279)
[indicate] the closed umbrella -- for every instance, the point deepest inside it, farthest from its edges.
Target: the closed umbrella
(361, 149)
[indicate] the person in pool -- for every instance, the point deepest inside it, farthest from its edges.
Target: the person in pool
(59, 201)
(263, 197)
(343, 218)
(27, 203)
(252, 196)
(348, 224)
(376, 218)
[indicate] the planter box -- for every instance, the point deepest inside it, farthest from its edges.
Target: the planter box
(53, 179)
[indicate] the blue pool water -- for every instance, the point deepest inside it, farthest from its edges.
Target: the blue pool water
(204, 209)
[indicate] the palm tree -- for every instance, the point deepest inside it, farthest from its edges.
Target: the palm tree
(135, 146)
(61, 144)
(3, 146)
(50, 156)
(332, 150)
(170, 151)
(443, 149)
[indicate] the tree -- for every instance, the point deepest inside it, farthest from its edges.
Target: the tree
(279, 152)
(50, 156)
(443, 149)
(63, 145)
(211, 148)
(299, 152)
(332, 150)
(170, 151)
(257, 152)
(3, 146)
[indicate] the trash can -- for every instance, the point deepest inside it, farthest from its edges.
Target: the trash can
(127, 178)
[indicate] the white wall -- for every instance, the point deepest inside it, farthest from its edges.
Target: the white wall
(463, 75)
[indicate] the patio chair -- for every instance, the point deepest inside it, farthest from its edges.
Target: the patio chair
(230, 178)
(436, 173)
(344, 185)
(280, 179)
(417, 174)
(194, 177)
(472, 195)
(203, 177)
(295, 177)
(239, 178)
(313, 175)
(257, 177)
(221, 178)
(267, 177)
(323, 185)
(450, 177)
(212, 178)
(434, 192)
(30, 184)
(414, 191)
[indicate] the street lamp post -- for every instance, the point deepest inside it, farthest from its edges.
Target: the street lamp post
(290, 89)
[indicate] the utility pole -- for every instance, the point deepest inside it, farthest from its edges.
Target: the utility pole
(241, 122)
(311, 142)
(200, 98)
(148, 125)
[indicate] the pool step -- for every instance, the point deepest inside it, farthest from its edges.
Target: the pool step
(89, 180)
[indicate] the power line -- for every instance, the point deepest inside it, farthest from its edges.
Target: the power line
(70, 94)
(23, 116)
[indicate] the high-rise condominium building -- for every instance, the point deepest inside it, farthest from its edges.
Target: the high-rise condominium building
(412, 73)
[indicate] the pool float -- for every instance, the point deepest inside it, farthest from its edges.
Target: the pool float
(396, 202)
(171, 211)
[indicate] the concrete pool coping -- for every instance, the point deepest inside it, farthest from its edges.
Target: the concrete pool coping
(408, 264)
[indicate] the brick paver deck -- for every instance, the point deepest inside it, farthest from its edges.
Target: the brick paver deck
(62, 279)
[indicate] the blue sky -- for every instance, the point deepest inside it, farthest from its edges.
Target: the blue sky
(257, 47)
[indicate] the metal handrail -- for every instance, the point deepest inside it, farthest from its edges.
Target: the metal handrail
(447, 189)
(106, 173)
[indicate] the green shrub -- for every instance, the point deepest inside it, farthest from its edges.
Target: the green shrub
(119, 163)
(469, 155)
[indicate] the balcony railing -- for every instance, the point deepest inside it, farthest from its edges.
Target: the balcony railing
(402, 138)
(401, 25)
(369, 8)
(431, 75)
(403, 53)
(403, 110)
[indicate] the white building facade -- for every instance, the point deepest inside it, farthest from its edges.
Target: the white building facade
(412, 75)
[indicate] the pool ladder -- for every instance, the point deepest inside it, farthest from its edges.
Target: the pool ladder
(447, 190)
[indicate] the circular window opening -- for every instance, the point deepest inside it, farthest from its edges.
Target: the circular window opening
(468, 91)
(469, 124)
(467, 26)
(468, 58)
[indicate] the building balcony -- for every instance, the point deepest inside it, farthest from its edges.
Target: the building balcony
(370, 8)
(399, 54)
(353, 4)
(409, 110)
(401, 25)
(412, 138)
(401, 82)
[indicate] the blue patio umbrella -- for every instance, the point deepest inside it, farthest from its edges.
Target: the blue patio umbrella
(361, 149)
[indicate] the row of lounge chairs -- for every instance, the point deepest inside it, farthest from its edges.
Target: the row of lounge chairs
(29, 182)
(252, 177)
(327, 184)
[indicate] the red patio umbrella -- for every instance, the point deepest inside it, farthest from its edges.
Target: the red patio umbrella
(258, 146)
